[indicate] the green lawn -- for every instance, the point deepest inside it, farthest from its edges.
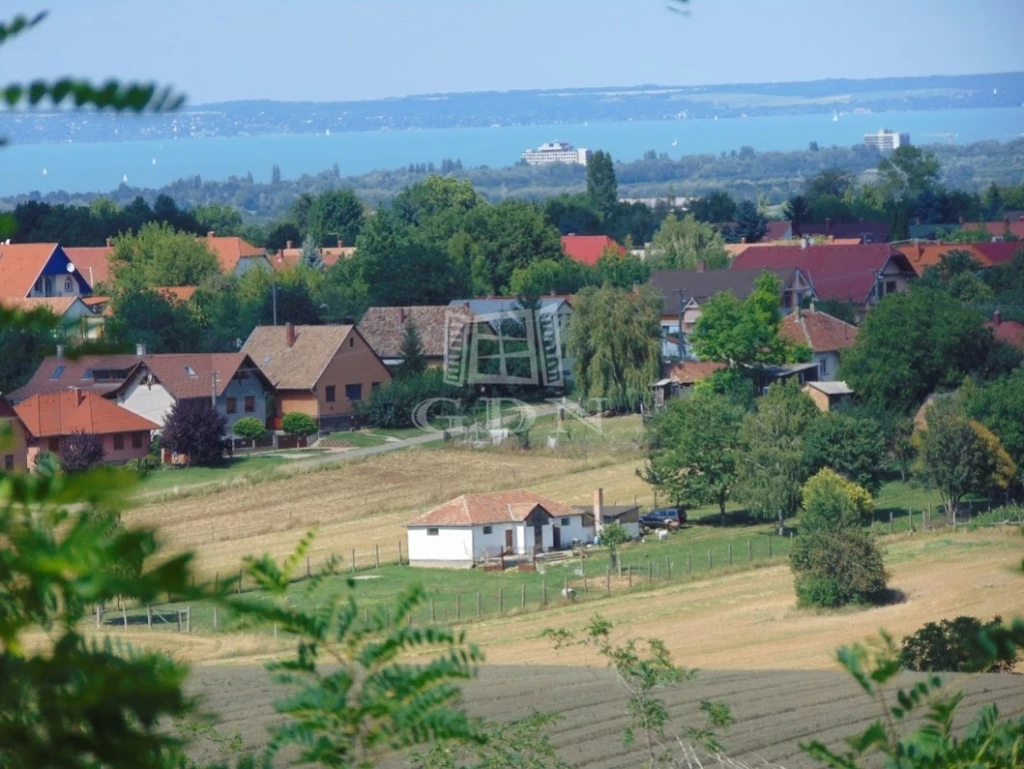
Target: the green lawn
(167, 478)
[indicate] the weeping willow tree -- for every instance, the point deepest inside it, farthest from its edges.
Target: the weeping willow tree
(615, 338)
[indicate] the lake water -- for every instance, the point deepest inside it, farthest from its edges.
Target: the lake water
(103, 166)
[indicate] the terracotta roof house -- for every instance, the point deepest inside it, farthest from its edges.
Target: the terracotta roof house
(289, 256)
(587, 249)
(826, 335)
(1014, 225)
(322, 371)
(475, 527)
(180, 294)
(778, 230)
(1009, 331)
(101, 374)
(680, 379)
(384, 329)
(234, 255)
(13, 440)
(865, 232)
(39, 270)
(92, 261)
(77, 319)
(50, 418)
(859, 274)
(922, 255)
(1001, 252)
(684, 292)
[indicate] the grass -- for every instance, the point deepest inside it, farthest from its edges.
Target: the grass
(167, 478)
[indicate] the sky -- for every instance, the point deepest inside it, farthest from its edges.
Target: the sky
(340, 50)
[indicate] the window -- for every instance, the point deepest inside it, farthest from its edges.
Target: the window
(39, 285)
(68, 284)
(823, 366)
(432, 532)
(250, 404)
(329, 396)
(190, 371)
(57, 372)
(87, 374)
(136, 440)
(354, 392)
(232, 405)
(890, 287)
(764, 390)
(118, 441)
(351, 341)
(9, 462)
(565, 522)
(488, 529)
(53, 445)
(375, 385)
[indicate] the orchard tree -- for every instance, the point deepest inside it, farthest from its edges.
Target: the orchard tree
(679, 244)
(196, 430)
(615, 340)
(281, 234)
(695, 448)
(80, 451)
(621, 270)
(602, 188)
(852, 446)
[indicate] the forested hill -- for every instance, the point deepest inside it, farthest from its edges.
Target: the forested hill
(744, 173)
(568, 105)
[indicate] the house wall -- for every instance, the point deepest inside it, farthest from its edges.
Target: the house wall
(150, 401)
(287, 401)
(13, 444)
(247, 263)
(55, 279)
(494, 543)
(111, 456)
(452, 544)
(241, 385)
(892, 274)
(574, 530)
(819, 398)
(831, 363)
(353, 363)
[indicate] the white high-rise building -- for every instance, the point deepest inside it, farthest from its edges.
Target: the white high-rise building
(556, 152)
(886, 140)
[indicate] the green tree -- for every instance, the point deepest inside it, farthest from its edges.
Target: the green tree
(622, 270)
(952, 646)
(679, 244)
(798, 210)
(159, 255)
(413, 362)
(999, 406)
(834, 568)
(744, 332)
(832, 502)
(852, 446)
(716, 208)
(25, 340)
(151, 318)
(602, 187)
(952, 456)
(614, 535)
(614, 338)
(832, 182)
(912, 344)
(219, 218)
(310, 256)
(907, 172)
(771, 463)
(297, 423)
(280, 234)
(334, 217)
(695, 449)
(249, 428)
(750, 224)
(545, 276)
(197, 430)
(436, 206)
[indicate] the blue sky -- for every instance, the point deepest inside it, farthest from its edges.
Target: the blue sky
(329, 50)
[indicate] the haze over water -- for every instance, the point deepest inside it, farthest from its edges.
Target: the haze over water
(102, 166)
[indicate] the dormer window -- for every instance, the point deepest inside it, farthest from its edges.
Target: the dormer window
(190, 371)
(68, 284)
(87, 374)
(57, 373)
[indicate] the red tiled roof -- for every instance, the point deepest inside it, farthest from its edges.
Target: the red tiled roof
(818, 330)
(289, 257)
(177, 293)
(92, 261)
(191, 375)
(693, 371)
(1009, 331)
(498, 507)
(866, 232)
(1001, 252)
(230, 250)
(58, 374)
(998, 229)
(778, 230)
(56, 414)
(21, 265)
(58, 305)
(924, 255)
(845, 273)
(588, 248)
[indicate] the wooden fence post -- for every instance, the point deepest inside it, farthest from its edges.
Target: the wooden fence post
(433, 613)
(149, 616)
(689, 563)
(178, 612)
(478, 604)
(309, 570)
(769, 545)
(376, 556)
(630, 568)
(668, 567)
(650, 571)
(275, 631)
(501, 601)
(458, 606)
(750, 551)
(608, 580)
(400, 562)
(730, 553)
(544, 591)
(214, 617)
(710, 563)
(890, 521)
(124, 613)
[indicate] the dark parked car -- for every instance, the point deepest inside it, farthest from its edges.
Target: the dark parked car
(666, 517)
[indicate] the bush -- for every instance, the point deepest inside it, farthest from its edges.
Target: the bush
(852, 446)
(837, 568)
(195, 429)
(394, 404)
(832, 503)
(80, 451)
(297, 423)
(250, 428)
(951, 646)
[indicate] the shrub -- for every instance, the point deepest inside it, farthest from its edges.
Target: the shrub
(852, 446)
(80, 451)
(297, 423)
(951, 646)
(394, 404)
(832, 503)
(250, 428)
(836, 568)
(196, 429)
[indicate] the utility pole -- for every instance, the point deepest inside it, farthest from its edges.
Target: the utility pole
(213, 388)
(680, 344)
(273, 292)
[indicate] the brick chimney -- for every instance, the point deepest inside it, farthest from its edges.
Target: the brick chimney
(289, 334)
(210, 234)
(743, 239)
(79, 395)
(920, 249)
(288, 245)
(1006, 221)
(140, 350)
(828, 225)
(60, 352)
(702, 265)
(110, 242)
(402, 315)
(598, 510)
(997, 319)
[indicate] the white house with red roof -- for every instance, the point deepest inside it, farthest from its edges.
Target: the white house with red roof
(476, 527)
(37, 270)
(826, 335)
